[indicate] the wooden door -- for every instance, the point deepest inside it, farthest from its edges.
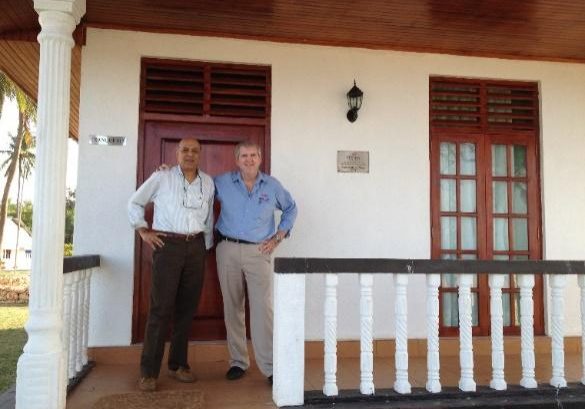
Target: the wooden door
(217, 156)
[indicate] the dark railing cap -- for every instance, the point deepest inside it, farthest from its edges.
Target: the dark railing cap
(76, 263)
(424, 266)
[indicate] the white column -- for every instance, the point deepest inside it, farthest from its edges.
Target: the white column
(401, 385)
(557, 283)
(496, 282)
(526, 284)
(433, 362)
(289, 340)
(330, 331)
(581, 280)
(366, 338)
(40, 382)
(466, 382)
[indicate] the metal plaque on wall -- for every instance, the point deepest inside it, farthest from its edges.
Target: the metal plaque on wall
(353, 161)
(106, 140)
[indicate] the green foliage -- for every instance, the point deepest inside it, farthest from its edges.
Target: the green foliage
(69, 216)
(12, 339)
(68, 249)
(26, 213)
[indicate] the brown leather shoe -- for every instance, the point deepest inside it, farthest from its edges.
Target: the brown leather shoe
(182, 375)
(147, 384)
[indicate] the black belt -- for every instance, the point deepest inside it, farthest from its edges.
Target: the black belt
(221, 237)
(185, 237)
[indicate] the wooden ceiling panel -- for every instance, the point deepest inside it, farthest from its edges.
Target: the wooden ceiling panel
(535, 29)
(20, 61)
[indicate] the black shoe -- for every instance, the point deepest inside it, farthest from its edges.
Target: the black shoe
(270, 380)
(235, 372)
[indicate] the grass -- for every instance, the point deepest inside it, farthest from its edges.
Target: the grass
(12, 339)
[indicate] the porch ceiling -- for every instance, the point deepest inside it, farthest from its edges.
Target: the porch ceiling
(551, 30)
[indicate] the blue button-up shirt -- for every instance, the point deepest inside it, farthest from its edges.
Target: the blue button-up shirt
(250, 215)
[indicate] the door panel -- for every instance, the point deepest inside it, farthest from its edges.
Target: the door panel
(217, 143)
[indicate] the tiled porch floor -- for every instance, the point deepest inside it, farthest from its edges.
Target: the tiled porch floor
(253, 392)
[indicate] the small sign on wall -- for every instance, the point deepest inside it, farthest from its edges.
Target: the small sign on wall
(106, 140)
(353, 161)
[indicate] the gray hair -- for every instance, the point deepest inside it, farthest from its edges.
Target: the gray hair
(247, 144)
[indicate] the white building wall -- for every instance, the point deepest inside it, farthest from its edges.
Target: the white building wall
(20, 258)
(381, 214)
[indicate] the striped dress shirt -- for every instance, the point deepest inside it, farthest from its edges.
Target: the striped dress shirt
(179, 206)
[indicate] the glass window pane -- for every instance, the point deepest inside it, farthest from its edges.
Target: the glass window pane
(467, 161)
(500, 197)
(506, 308)
(448, 233)
(448, 195)
(468, 233)
(520, 257)
(520, 234)
(519, 203)
(468, 196)
(501, 234)
(519, 160)
(499, 160)
(450, 310)
(447, 158)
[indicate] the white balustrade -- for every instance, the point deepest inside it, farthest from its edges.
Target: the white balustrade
(366, 335)
(557, 283)
(581, 280)
(433, 362)
(330, 331)
(466, 382)
(401, 385)
(526, 284)
(496, 282)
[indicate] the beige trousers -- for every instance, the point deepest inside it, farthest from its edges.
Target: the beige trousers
(240, 266)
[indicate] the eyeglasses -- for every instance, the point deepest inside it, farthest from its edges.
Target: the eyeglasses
(187, 204)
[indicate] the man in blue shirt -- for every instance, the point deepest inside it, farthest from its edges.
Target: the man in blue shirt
(247, 236)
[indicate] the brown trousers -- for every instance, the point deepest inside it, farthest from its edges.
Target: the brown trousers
(175, 289)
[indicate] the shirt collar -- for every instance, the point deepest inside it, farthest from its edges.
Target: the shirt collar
(237, 177)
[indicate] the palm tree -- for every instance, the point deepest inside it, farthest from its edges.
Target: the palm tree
(7, 89)
(27, 113)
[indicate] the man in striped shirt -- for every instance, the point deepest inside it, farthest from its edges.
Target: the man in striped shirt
(180, 235)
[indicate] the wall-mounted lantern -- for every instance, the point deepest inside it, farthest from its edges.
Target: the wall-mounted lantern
(354, 100)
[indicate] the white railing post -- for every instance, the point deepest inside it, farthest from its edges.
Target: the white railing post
(366, 338)
(466, 382)
(401, 385)
(289, 340)
(581, 279)
(66, 331)
(80, 317)
(526, 284)
(496, 282)
(330, 333)
(73, 324)
(433, 362)
(557, 282)
(86, 286)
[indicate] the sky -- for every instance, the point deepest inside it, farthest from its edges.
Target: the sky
(8, 126)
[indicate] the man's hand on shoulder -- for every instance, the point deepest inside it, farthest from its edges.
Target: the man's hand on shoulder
(152, 238)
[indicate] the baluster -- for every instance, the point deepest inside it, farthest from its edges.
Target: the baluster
(73, 327)
(466, 382)
(86, 285)
(401, 385)
(66, 332)
(330, 331)
(526, 284)
(80, 316)
(433, 362)
(498, 381)
(557, 282)
(581, 280)
(366, 339)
